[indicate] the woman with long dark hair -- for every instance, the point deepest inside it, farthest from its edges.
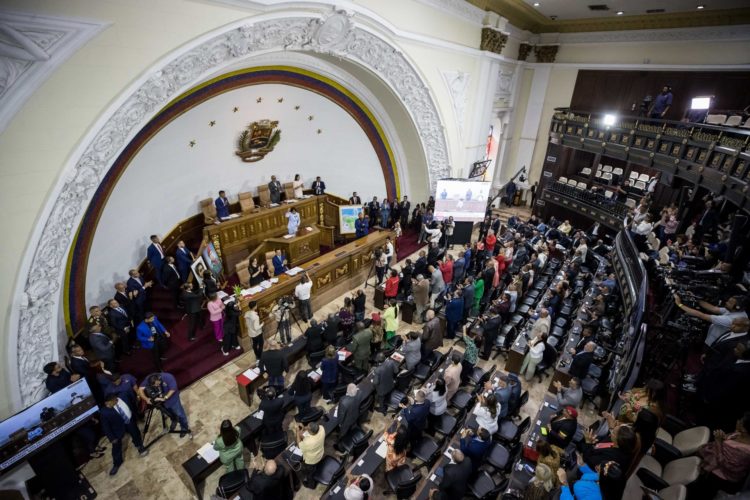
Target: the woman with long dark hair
(229, 446)
(651, 397)
(302, 391)
(397, 441)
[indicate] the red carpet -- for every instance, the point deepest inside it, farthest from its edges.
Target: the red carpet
(407, 244)
(187, 361)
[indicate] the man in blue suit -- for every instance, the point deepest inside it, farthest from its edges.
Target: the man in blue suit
(475, 446)
(279, 263)
(222, 206)
(155, 255)
(117, 419)
(415, 415)
(184, 258)
(152, 335)
(361, 225)
(137, 290)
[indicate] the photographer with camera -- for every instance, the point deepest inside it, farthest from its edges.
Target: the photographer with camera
(281, 312)
(159, 390)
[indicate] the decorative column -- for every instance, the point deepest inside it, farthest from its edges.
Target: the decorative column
(524, 49)
(545, 53)
(493, 40)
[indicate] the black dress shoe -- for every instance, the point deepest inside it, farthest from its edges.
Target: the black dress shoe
(114, 470)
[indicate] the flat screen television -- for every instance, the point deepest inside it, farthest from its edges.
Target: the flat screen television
(30, 430)
(463, 200)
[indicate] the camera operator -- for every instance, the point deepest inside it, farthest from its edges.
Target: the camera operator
(281, 312)
(720, 317)
(160, 391)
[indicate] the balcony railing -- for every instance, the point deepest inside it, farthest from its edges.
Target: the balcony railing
(597, 200)
(714, 156)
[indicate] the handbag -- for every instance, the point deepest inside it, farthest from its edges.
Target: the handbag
(231, 482)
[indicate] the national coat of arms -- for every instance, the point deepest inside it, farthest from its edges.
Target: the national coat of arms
(258, 140)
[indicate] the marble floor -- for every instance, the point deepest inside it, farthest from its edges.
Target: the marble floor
(215, 398)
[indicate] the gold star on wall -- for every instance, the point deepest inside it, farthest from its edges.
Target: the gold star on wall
(296, 107)
(212, 123)
(259, 99)
(235, 109)
(310, 117)
(320, 131)
(281, 99)
(192, 143)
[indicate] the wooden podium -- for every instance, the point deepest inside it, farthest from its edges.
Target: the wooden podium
(300, 248)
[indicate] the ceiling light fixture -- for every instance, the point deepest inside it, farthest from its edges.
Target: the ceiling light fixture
(609, 119)
(536, 4)
(701, 7)
(620, 12)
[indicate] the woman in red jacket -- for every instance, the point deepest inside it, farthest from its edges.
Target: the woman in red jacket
(490, 241)
(391, 285)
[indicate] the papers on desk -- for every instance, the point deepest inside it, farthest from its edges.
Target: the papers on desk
(208, 453)
(252, 291)
(231, 216)
(273, 205)
(265, 285)
(288, 236)
(295, 451)
(315, 375)
(397, 356)
(295, 271)
(274, 280)
(449, 453)
(342, 354)
(258, 414)
(308, 228)
(221, 294)
(433, 478)
(252, 373)
(381, 450)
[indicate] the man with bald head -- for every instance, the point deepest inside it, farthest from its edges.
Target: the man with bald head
(455, 476)
(542, 323)
(579, 367)
(271, 482)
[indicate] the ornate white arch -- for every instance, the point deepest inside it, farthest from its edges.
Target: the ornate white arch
(34, 315)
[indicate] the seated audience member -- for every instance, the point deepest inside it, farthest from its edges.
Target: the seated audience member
(271, 482)
(541, 485)
(726, 461)
(358, 487)
(548, 456)
(562, 428)
(608, 483)
(571, 395)
(486, 411)
(396, 438)
(453, 484)
(311, 443)
(229, 445)
(651, 397)
(622, 449)
(475, 445)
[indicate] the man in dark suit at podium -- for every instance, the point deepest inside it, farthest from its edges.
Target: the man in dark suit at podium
(319, 187)
(222, 206)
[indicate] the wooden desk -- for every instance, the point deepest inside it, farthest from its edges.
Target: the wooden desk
(332, 274)
(300, 248)
(234, 239)
(519, 478)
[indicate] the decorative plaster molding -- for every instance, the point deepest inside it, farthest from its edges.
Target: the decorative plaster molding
(31, 48)
(546, 53)
(504, 90)
(458, 83)
(524, 49)
(331, 33)
(460, 8)
(703, 34)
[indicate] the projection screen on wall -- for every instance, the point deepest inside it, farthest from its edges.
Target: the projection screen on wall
(464, 200)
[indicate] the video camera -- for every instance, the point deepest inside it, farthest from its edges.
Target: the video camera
(286, 302)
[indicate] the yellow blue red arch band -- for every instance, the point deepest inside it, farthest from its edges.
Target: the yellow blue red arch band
(75, 293)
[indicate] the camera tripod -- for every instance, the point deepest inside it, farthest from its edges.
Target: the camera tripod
(165, 412)
(285, 312)
(370, 274)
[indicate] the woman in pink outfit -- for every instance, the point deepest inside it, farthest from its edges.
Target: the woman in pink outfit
(216, 315)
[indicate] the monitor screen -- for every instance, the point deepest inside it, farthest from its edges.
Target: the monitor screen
(466, 201)
(30, 430)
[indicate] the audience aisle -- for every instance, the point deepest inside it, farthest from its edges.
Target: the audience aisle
(215, 397)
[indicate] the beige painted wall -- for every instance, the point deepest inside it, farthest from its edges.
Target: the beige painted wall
(691, 53)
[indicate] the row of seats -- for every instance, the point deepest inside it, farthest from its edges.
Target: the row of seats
(731, 121)
(247, 202)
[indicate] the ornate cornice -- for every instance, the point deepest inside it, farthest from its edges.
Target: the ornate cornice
(460, 8)
(493, 40)
(35, 315)
(546, 53)
(704, 34)
(31, 48)
(524, 49)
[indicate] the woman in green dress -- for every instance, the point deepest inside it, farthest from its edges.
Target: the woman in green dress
(229, 446)
(478, 293)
